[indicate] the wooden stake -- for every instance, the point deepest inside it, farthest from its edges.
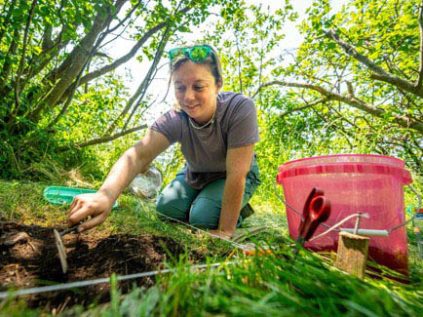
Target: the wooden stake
(352, 253)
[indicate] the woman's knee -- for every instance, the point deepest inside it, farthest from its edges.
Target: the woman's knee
(171, 208)
(176, 198)
(205, 213)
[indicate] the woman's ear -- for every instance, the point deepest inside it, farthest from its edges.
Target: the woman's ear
(219, 86)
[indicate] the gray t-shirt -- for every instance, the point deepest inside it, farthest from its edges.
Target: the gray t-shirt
(235, 125)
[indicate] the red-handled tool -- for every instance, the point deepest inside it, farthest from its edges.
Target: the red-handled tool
(316, 210)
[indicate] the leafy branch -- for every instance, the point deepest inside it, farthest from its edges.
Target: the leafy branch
(351, 100)
(111, 137)
(378, 72)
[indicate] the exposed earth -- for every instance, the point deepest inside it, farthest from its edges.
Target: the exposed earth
(29, 257)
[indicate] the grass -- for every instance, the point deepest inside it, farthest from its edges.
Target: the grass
(278, 284)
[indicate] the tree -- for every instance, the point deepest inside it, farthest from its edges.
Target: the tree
(52, 53)
(361, 70)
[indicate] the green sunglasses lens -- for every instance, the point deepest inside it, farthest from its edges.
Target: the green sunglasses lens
(176, 52)
(199, 53)
(196, 53)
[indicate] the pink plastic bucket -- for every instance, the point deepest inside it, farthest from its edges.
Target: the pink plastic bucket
(353, 183)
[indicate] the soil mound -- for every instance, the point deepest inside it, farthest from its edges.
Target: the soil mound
(28, 258)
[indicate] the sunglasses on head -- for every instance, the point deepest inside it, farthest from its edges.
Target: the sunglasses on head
(196, 53)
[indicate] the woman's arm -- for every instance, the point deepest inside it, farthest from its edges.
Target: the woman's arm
(238, 164)
(135, 160)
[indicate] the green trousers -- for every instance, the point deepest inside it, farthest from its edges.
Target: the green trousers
(201, 208)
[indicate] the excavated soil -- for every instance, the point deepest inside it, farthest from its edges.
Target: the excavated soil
(29, 258)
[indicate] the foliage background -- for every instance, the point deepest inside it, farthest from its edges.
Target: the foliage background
(354, 85)
(317, 99)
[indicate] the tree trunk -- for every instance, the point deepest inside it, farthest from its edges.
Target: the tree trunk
(72, 66)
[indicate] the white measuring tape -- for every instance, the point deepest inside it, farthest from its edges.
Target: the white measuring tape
(85, 283)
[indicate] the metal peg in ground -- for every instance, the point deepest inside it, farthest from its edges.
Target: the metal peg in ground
(61, 247)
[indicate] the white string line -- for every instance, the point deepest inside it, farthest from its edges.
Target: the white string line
(339, 224)
(85, 283)
(233, 243)
(419, 198)
(330, 228)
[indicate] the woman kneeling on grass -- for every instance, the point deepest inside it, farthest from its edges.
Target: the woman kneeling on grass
(217, 132)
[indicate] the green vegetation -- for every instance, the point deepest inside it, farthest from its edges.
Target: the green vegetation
(354, 85)
(277, 284)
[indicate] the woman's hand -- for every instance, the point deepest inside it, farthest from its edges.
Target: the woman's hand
(97, 206)
(135, 159)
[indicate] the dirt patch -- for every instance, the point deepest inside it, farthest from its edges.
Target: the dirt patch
(28, 258)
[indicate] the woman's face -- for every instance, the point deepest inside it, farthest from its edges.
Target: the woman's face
(196, 91)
